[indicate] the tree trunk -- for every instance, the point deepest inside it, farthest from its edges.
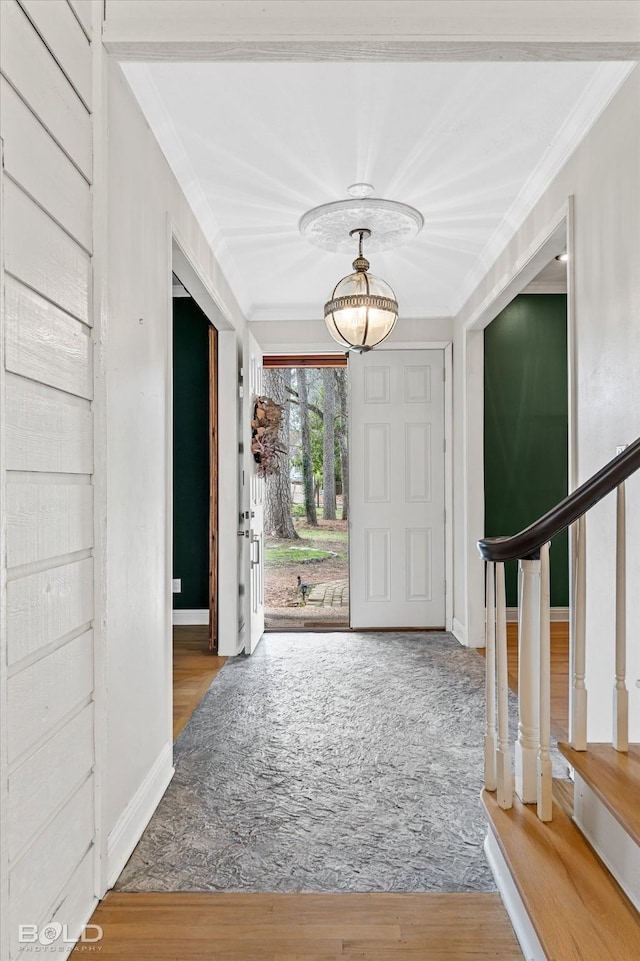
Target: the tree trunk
(341, 375)
(307, 465)
(328, 445)
(277, 508)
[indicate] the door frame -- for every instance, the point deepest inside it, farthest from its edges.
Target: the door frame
(555, 236)
(184, 264)
(308, 350)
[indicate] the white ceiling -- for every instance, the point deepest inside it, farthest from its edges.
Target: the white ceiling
(471, 146)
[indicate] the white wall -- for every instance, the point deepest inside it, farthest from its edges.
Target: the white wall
(290, 335)
(47, 780)
(603, 175)
(145, 205)
(89, 207)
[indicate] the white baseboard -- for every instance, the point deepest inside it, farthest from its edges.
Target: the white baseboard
(608, 838)
(525, 933)
(191, 617)
(459, 631)
(137, 814)
(557, 613)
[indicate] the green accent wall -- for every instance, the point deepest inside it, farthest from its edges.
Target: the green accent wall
(526, 426)
(190, 454)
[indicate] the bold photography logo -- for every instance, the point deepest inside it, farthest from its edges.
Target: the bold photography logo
(55, 935)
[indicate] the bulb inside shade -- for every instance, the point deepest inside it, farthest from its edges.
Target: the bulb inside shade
(363, 309)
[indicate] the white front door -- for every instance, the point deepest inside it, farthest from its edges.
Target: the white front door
(396, 478)
(253, 500)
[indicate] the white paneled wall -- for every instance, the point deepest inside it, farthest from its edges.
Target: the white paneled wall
(47, 773)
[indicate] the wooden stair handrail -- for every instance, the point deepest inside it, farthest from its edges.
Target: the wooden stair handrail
(527, 544)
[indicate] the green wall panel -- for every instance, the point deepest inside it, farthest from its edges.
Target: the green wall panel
(190, 454)
(525, 425)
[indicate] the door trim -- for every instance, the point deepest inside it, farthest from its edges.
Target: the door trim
(551, 240)
(213, 489)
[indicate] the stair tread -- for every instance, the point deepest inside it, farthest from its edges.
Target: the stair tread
(614, 777)
(575, 905)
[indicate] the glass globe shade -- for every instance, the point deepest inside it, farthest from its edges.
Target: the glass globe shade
(362, 311)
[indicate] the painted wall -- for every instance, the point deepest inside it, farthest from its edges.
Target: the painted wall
(603, 175)
(525, 426)
(190, 454)
(144, 205)
(284, 335)
(47, 645)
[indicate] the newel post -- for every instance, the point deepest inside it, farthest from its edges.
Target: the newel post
(620, 692)
(544, 770)
(526, 751)
(490, 779)
(578, 648)
(504, 776)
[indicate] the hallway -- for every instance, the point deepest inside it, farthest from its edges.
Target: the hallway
(327, 763)
(266, 926)
(314, 927)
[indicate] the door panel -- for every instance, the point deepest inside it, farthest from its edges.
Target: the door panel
(397, 489)
(254, 489)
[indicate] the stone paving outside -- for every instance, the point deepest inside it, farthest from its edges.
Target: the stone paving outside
(332, 594)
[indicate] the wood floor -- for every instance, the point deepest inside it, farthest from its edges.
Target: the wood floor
(304, 927)
(194, 668)
(559, 673)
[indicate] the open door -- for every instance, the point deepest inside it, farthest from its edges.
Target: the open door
(397, 489)
(253, 500)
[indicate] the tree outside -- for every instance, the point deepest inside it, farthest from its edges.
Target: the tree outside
(306, 506)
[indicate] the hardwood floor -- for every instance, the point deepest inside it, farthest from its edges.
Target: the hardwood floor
(305, 927)
(194, 668)
(578, 910)
(559, 673)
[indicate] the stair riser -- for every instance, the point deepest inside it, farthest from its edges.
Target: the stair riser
(608, 838)
(525, 933)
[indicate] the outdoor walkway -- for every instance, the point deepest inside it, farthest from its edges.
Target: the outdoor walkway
(331, 594)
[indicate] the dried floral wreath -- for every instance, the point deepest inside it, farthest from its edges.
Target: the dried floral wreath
(265, 434)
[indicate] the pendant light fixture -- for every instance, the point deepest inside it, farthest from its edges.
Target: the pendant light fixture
(363, 309)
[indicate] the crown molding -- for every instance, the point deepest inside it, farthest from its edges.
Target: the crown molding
(603, 87)
(545, 287)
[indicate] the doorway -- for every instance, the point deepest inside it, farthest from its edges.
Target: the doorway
(195, 462)
(195, 505)
(306, 509)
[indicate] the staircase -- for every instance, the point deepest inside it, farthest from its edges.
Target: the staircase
(566, 862)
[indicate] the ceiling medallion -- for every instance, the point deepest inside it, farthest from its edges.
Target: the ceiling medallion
(391, 223)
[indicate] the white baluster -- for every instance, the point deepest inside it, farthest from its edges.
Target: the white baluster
(526, 756)
(504, 775)
(490, 782)
(620, 693)
(545, 777)
(578, 650)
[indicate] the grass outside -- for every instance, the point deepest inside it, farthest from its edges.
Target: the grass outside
(281, 555)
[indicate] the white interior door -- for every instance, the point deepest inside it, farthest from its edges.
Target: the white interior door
(253, 499)
(397, 489)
